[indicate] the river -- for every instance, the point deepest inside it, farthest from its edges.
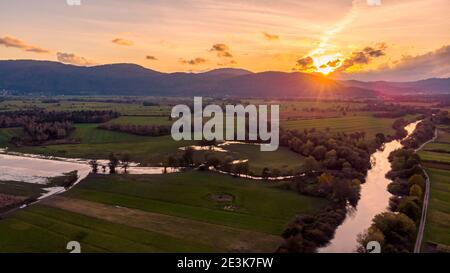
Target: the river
(374, 200)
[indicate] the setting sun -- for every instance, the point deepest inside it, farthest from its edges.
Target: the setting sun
(327, 63)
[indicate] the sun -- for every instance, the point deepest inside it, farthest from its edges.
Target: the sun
(326, 64)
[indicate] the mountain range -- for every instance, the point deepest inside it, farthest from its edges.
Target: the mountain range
(21, 77)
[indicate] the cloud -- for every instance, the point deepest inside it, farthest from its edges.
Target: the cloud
(195, 61)
(410, 68)
(305, 64)
(271, 37)
(222, 50)
(359, 58)
(151, 58)
(70, 58)
(122, 42)
(16, 43)
(334, 63)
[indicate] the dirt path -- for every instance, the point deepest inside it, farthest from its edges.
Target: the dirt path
(423, 218)
(218, 236)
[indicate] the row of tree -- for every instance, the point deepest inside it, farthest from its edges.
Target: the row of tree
(113, 163)
(143, 130)
(20, 118)
(36, 133)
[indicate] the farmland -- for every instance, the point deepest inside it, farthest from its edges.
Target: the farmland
(436, 159)
(143, 214)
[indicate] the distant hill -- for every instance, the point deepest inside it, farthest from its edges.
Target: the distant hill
(53, 78)
(428, 86)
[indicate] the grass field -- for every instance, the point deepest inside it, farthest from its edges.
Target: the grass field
(282, 159)
(438, 219)
(158, 213)
(64, 105)
(256, 206)
(435, 156)
(99, 143)
(348, 124)
(45, 229)
(437, 228)
(141, 120)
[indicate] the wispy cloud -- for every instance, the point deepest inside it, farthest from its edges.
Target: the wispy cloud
(271, 37)
(122, 42)
(222, 50)
(305, 64)
(70, 58)
(195, 61)
(151, 58)
(9, 41)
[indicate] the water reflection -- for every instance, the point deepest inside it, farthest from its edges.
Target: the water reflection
(374, 200)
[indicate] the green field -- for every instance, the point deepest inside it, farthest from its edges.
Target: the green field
(348, 124)
(98, 143)
(158, 213)
(65, 105)
(282, 159)
(141, 120)
(45, 229)
(259, 206)
(438, 217)
(435, 156)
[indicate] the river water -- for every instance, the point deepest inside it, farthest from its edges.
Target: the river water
(374, 200)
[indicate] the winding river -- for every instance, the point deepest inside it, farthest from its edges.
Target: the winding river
(374, 200)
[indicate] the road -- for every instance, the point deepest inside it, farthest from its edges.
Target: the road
(426, 197)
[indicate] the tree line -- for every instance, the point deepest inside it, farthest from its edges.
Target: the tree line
(142, 130)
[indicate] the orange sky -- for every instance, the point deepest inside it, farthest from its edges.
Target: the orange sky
(352, 37)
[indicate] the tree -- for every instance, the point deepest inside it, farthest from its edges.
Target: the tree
(125, 162)
(265, 173)
(94, 165)
(319, 152)
(416, 191)
(325, 183)
(188, 156)
(410, 207)
(398, 230)
(310, 164)
(113, 162)
(416, 179)
(372, 234)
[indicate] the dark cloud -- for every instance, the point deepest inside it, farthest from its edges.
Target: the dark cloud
(271, 37)
(409, 68)
(305, 64)
(122, 42)
(334, 63)
(362, 57)
(222, 50)
(373, 52)
(195, 61)
(16, 43)
(70, 58)
(151, 58)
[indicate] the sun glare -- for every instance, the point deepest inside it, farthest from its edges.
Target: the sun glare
(327, 63)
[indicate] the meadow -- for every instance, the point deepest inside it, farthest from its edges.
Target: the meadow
(365, 122)
(158, 213)
(436, 159)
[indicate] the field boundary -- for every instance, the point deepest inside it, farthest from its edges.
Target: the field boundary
(419, 238)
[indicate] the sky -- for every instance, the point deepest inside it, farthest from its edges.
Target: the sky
(397, 40)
